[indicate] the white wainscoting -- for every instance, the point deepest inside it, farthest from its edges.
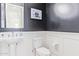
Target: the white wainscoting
(59, 43)
(68, 43)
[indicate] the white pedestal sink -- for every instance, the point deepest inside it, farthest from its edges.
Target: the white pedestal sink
(11, 41)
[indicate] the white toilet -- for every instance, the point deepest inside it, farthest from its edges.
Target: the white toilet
(40, 50)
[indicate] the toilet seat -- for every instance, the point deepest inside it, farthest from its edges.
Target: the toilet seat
(42, 51)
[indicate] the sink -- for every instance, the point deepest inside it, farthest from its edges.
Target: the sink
(10, 38)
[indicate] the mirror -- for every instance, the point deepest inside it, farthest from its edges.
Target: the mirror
(14, 16)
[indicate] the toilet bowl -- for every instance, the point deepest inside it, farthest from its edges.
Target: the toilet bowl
(39, 49)
(42, 51)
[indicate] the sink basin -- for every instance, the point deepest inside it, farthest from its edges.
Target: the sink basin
(8, 37)
(10, 40)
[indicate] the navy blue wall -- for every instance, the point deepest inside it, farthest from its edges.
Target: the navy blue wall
(56, 24)
(31, 24)
(49, 21)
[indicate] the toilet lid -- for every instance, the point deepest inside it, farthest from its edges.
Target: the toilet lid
(43, 51)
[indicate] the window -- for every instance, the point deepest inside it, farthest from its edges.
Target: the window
(14, 16)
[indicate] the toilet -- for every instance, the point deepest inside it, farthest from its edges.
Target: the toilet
(40, 50)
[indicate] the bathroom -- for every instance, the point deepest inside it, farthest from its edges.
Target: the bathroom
(39, 29)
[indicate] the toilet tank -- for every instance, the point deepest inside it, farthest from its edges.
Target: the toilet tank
(37, 42)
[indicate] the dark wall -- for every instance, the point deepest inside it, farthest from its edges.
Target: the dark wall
(49, 21)
(56, 24)
(31, 24)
